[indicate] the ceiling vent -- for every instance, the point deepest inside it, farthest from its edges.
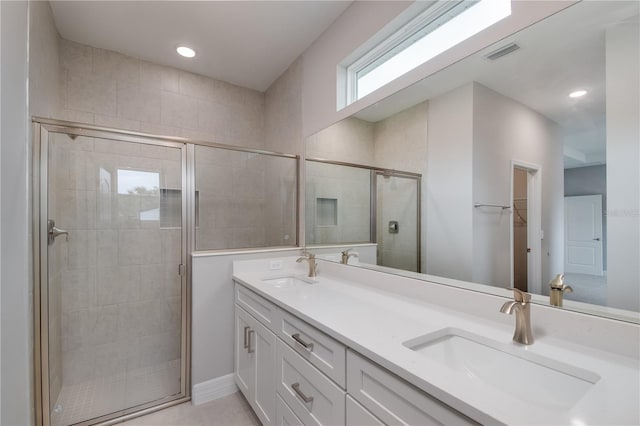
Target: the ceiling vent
(504, 50)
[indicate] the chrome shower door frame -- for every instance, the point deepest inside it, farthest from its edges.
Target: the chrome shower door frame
(375, 172)
(42, 129)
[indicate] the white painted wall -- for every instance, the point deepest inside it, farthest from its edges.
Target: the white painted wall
(449, 185)
(212, 311)
(623, 173)
(348, 32)
(44, 101)
(16, 405)
(44, 64)
(505, 130)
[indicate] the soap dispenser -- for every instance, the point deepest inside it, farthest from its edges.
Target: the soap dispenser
(558, 288)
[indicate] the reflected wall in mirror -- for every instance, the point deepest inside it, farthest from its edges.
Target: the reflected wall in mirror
(522, 179)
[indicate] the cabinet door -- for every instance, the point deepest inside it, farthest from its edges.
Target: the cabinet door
(263, 342)
(284, 415)
(358, 415)
(244, 365)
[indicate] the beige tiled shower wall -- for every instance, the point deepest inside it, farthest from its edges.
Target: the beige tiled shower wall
(350, 187)
(244, 199)
(107, 88)
(350, 140)
(119, 285)
(283, 133)
(231, 198)
(236, 209)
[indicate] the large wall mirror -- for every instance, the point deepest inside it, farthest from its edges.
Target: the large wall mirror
(525, 158)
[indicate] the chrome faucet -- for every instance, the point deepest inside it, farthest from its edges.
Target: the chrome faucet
(522, 309)
(346, 255)
(311, 259)
(558, 288)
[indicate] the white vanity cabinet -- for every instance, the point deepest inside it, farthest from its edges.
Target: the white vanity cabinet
(305, 377)
(311, 395)
(254, 359)
(394, 401)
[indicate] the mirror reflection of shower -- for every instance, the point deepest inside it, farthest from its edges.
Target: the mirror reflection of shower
(378, 209)
(397, 221)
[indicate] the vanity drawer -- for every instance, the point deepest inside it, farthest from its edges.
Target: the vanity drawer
(313, 398)
(325, 353)
(284, 415)
(393, 400)
(360, 416)
(259, 307)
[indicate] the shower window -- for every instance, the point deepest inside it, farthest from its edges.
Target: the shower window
(246, 199)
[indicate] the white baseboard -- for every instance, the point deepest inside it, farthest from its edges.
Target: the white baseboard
(213, 389)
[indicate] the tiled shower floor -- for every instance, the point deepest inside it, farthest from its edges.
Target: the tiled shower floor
(84, 401)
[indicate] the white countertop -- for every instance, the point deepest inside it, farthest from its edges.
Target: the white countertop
(375, 323)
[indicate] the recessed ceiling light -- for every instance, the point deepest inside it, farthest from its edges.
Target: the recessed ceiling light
(185, 51)
(577, 94)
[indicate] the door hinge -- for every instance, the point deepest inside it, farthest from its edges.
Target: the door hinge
(181, 270)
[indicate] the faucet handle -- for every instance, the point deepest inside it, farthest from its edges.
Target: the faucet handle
(308, 255)
(521, 296)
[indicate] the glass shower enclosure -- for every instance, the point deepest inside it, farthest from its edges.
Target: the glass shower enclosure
(110, 235)
(397, 212)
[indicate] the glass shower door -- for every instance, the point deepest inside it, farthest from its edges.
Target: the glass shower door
(398, 221)
(115, 293)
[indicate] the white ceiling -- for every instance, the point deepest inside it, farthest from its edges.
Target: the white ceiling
(248, 43)
(558, 55)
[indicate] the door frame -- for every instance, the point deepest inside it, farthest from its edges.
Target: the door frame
(41, 130)
(534, 224)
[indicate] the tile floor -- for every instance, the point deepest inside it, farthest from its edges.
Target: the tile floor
(232, 410)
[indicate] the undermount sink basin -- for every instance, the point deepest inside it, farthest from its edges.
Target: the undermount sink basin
(288, 281)
(531, 377)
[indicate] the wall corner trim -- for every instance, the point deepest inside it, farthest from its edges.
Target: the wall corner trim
(213, 389)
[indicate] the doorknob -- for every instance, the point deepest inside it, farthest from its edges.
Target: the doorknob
(596, 239)
(54, 232)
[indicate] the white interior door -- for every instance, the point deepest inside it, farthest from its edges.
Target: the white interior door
(583, 234)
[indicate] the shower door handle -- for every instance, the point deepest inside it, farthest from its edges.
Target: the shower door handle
(54, 232)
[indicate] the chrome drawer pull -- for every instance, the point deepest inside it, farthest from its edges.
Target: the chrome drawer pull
(297, 338)
(249, 350)
(305, 398)
(246, 345)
